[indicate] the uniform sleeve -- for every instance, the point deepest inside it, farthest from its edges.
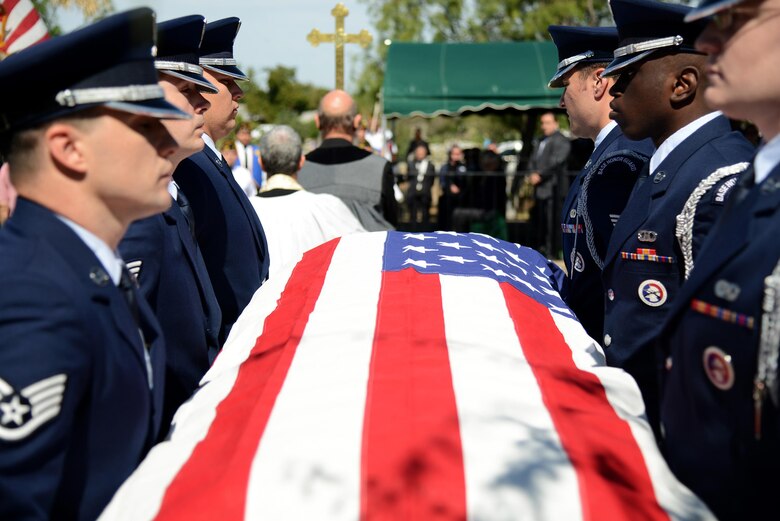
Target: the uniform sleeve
(44, 370)
(141, 249)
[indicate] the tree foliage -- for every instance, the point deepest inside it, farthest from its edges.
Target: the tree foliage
(282, 100)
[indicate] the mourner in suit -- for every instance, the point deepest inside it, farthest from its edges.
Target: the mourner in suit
(719, 407)
(248, 157)
(81, 356)
(227, 229)
(161, 250)
(658, 94)
(548, 162)
(600, 192)
(420, 175)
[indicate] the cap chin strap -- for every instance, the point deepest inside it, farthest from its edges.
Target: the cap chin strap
(74, 97)
(660, 43)
(162, 65)
(218, 61)
(575, 59)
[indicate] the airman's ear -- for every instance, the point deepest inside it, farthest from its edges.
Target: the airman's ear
(685, 85)
(67, 147)
(601, 85)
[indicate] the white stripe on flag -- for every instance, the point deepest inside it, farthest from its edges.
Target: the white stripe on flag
(17, 14)
(140, 499)
(625, 398)
(312, 444)
(504, 423)
(35, 33)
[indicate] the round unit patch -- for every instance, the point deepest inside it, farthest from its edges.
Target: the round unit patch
(717, 366)
(652, 293)
(577, 262)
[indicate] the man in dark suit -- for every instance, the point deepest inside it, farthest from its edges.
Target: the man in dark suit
(658, 94)
(548, 161)
(420, 175)
(81, 356)
(161, 250)
(719, 405)
(599, 194)
(227, 229)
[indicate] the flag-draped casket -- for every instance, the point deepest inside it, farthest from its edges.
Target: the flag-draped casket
(399, 376)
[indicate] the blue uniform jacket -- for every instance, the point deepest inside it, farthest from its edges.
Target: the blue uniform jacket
(585, 237)
(228, 231)
(173, 278)
(707, 407)
(643, 268)
(77, 411)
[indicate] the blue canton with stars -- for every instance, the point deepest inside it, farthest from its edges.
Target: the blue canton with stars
(476, 255)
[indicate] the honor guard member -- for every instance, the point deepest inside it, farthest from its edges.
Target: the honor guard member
(227, 229)
(161, 250)
(81, 355)
(658, 95)
(719, 407)
(599, 193)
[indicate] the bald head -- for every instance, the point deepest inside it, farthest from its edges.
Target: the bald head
(337, 115)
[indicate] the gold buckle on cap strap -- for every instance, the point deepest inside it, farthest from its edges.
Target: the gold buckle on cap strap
(71, 98)
(575, 59)
(218, 61)
(162, 65)
(633, 48)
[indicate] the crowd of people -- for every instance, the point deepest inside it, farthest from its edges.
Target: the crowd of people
(133, 243)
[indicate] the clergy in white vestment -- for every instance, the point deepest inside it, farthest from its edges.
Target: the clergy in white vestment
(295, 220)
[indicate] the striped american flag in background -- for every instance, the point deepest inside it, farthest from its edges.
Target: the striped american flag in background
(399, 376)
(20, 26)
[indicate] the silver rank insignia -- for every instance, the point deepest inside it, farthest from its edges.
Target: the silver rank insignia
(134, 267)
(727, 290)
(647, 236)
(24, 411)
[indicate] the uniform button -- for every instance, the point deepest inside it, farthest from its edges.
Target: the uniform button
(668, 363)
(663, 430)
(607, 340)
(610, 294)
(573, 213)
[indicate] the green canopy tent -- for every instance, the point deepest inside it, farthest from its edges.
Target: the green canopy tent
(434, 79)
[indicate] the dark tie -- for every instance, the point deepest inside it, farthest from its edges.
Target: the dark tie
(247, 156)
(127, 286)
(186, 209)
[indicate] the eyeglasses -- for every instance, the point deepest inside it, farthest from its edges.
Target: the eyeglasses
(729, 19)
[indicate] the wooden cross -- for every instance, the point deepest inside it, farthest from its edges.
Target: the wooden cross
(339, 38)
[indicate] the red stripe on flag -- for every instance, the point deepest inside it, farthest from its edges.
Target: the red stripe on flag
(221, 463)
(613, 478)
(9, 5)
(412, 465)
(24, 26)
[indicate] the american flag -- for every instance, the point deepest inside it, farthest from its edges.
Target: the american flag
(20, 26)
(401, 376)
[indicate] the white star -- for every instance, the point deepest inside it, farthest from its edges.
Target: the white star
(515, 257)
(486, 245)
(13, 411)
(452, 258)
(560, 310)
(499, 272)
(542, 279)
(525, 272)
(419, 263)
(491, 258)
(448, 233)
(418, 236)
(524, 283)
(456, 245)
(486, 236)
(418, 249)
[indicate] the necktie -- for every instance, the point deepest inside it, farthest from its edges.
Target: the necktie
(186, 209)
(247, 161)
(127, 287)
